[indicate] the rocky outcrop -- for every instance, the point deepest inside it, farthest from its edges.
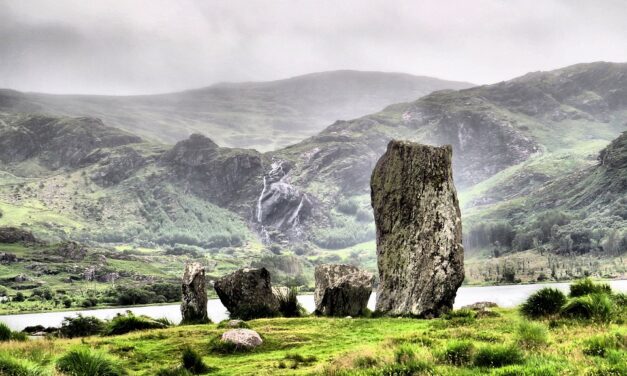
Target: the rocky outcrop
(16, 235)
(342, 290)
(419, 234)
(225, 177)
(247, 294)
(194, 301)
(242, 338)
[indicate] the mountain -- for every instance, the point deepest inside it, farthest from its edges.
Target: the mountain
(260, 115)
(525, 165)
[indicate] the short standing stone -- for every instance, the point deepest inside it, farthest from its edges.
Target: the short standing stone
(342, 290)
(194, 304)
(419, 234)
(242, 338)
(247, 294)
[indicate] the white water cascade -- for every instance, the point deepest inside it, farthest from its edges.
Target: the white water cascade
(259, 210)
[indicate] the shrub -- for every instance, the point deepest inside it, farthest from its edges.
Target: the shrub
(531, 335)
(404, 354)
(593, 307)
(5, 332)
(288, 302)
(456, 353)
(497, 356)
(586, 286)
(250, 312)
(127, 323)
(192, 361)
(81, 326)
(601, 345)
(10, 366)
(224, 324)
(178, 371)
(87, 362)
(544, 302)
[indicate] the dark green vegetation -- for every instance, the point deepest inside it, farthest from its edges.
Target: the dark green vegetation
(540, 180)
(86, 362)
(588, 302)
(261, 115)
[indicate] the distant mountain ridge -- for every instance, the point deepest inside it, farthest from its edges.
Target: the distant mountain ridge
(260, 115)
(518, 147)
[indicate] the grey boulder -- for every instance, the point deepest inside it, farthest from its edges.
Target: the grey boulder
(342, 290)
(247, 293)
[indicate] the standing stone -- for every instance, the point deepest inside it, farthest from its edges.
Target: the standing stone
(194, 305)
(419, 230)
(342, 290)
(247, 294)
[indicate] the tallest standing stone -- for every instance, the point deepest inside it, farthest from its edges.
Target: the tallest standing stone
(419, 233)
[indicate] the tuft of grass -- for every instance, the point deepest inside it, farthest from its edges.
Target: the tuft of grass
(404, 354)
(602, 345)
(593, 307)
(497, 356)
(224, 324)
(87, 362)
(122, 324)
(6, 334)
(293, 361)
(288, 303)
(192, 361)
(543, 303)
(10, 366)
(178, 371)
(456, 353)
(585, 286)
(531, 335)
(525, 370)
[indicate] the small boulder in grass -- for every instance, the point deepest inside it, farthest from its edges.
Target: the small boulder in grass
(242, 338)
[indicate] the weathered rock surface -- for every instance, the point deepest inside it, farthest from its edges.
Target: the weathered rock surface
(342, 290)
(15, 235)
(478, 306)
(194, 303)
(242, 338)
(247, 293)
(419, 234)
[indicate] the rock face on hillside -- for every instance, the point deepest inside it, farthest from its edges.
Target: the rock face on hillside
(194, 303)
(15, 235)
(247, 293)
(342, 290)
(419, 251)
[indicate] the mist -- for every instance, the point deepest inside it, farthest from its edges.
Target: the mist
(134, 47)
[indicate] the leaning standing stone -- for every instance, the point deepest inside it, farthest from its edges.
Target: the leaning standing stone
(419, 233)
(194, 304)
(342, 290)
(247, 294)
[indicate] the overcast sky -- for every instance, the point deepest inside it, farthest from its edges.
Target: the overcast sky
(148, 46)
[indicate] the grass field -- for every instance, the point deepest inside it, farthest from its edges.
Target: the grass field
(379, 346)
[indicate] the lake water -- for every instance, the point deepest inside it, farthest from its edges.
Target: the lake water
(504, 296)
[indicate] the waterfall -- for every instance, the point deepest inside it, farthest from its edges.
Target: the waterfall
(294, 218)
(263, 192)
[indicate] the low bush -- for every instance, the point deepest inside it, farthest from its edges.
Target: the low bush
(251, 312)
(224, 324)
(543, 303)
(81, 326)
(497, 356)
(586, 286)
(531, 335)
(178, 371)
(456, 353)
(288, 302)
(404, 354)
(122, 324)
(10, 366)
(193, 362)
(593, 307)
(87, 362)
(602, 345)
